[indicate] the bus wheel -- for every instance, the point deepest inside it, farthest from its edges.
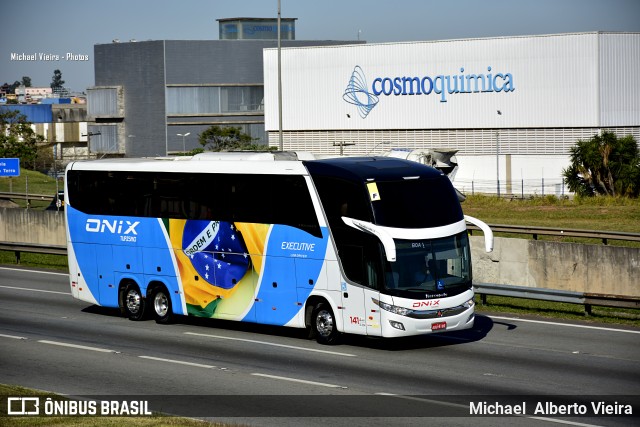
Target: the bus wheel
(133, 303)
(162, 306)
(324, 325)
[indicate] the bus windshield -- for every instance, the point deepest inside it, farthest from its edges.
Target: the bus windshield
(435, 267)
(423, 202)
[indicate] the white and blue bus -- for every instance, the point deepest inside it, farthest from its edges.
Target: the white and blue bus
(372, 246)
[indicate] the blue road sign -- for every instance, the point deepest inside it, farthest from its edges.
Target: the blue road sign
(9, 167)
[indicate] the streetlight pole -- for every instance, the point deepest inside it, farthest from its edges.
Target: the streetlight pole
(280, 139)
(183, 137)
(498, 158)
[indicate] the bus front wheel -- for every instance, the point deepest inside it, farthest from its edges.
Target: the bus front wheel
(324, 324)
(133, 303)
(162, 306)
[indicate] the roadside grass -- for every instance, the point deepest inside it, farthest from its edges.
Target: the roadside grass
(557, 310)
(156, 420)
(587, 213)
(31, 260)
(31, 182)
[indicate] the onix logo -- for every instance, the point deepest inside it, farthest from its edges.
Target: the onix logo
(357, 93)
(115, 226)
(430, 303)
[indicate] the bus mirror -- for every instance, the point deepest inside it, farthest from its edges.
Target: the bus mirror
(379, 232)
(488, 234)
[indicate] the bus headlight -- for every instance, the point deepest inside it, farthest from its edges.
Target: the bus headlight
(392, 308)
(469, 304)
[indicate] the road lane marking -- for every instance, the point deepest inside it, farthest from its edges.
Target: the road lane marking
(34, 271)
(81, 347)
(296, 380)
(180, 362)
(13, 337)
(461, 406)
(421, 399)
(544, 322)
(35, 290)
(558, 421)
(272, 344)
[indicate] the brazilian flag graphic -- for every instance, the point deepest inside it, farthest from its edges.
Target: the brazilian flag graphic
(217, 263)
(217, 252)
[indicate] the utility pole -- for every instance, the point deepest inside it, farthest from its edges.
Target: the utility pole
(280, 141)
(342, 144)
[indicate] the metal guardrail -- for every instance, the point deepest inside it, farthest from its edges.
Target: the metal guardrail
(32, 248)
(482, 289)
(24, 196)
(555, 295)
(605, 236)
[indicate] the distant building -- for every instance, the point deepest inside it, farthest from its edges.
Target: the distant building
(34, 91)
(149, 93)
(256, 29)
(63, 125)
(512, 106)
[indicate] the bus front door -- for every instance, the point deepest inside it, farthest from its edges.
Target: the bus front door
(361, 315)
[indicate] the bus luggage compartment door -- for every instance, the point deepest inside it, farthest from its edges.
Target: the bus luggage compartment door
(276, 302)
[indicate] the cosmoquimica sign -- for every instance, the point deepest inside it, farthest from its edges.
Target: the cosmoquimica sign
(360, 94)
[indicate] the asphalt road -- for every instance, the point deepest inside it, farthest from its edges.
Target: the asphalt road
(238, 372)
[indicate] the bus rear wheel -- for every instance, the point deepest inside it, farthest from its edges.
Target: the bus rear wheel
(162, 309)
(324, 324)
(133, 303)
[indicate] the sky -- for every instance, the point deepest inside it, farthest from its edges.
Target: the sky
(42, 27)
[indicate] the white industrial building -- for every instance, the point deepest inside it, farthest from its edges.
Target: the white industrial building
(512, 106)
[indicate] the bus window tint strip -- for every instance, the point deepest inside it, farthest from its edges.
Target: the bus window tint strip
(262, 199)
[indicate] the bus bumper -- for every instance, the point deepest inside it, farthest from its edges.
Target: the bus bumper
(394, 325)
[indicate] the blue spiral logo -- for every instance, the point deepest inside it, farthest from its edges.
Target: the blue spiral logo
(357, 93)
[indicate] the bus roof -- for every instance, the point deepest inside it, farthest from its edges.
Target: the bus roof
(371, 168)
(231, 162)
(271, 163)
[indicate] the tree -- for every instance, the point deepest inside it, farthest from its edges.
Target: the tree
(57, 83)
(605, 165)
(26, 81)
(14, 86)
(227, 138)
(17, 138)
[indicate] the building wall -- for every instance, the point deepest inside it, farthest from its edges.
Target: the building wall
(619, 62)
(146, 71)
(139, 68)
(539, 82)
(546, 93)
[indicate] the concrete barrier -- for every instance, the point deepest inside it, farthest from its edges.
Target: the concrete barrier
(599, 269)
(32, 226)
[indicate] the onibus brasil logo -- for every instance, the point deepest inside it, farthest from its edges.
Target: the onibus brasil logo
(365, 98)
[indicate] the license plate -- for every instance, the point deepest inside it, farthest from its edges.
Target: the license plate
(439, 326)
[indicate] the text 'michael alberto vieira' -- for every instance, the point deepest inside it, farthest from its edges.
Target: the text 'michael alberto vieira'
(549, 408)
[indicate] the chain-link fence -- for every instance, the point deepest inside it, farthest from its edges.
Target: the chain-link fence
(515, 188)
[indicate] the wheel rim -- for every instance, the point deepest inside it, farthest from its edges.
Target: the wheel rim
(161, 304)
(133, 301)
(324, 323)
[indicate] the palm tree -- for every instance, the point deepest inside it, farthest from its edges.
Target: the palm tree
(606, 165)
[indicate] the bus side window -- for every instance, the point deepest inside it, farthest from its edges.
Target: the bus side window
(361, 262)
(352, 262)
